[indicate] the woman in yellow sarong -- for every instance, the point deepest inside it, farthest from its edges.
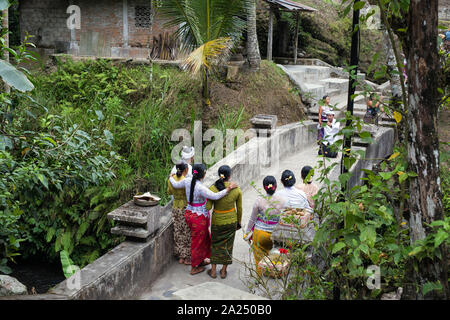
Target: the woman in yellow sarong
(265, 216)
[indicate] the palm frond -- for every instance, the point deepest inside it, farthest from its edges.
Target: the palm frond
(231, 18)
(200, 21)
(181, 14)
(208, 54)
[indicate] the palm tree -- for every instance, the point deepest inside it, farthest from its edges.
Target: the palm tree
(254, 56)
(208, 28)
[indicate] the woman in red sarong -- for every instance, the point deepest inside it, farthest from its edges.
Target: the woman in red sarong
(197, 216)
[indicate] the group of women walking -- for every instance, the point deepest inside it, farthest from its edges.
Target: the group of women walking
(195, 245)
(226, 199)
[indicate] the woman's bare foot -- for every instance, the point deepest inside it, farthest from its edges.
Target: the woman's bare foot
(223, 272)
(187, 262)
(211, 273)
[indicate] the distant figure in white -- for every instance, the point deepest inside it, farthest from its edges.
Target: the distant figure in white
(330, 136)
(187, 156)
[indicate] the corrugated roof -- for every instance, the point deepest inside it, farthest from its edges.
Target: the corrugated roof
(290, 5)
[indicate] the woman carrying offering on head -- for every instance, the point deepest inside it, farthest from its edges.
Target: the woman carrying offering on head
(265, 216)
(187, 156)
(225, 220)
(181, 234)
(197, 216)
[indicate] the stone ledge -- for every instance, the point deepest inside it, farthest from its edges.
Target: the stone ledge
(139, 222)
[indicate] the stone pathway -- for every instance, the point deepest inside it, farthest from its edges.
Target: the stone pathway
(177, 276)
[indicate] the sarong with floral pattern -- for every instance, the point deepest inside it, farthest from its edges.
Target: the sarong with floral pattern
(181, 234)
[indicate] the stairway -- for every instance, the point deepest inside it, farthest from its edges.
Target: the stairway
(316, 81)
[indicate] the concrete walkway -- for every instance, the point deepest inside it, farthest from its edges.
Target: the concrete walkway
(177, 276)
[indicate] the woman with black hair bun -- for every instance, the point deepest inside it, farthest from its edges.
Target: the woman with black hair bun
(295, 198)
(225, 220)
(265, 216)
(181, 233)
(308, 187)
(197, 216)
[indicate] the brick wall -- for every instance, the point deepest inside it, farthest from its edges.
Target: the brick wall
(46, 20)
(101, 30)
(444, 10)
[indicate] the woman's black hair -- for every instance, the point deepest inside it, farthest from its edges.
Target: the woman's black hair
(224, 174)
(181, 166)
(288, 178)
(324, 97)
(198, 173)
(270, 180)
(305, 172)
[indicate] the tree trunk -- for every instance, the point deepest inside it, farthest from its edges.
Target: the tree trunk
(5, 25)
(270, 35)
(254, 56)
(205, 88)
(297, 21)
(152, 16)
(425, 201)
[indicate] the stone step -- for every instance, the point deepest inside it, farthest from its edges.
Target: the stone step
(336, 83)
(317, 91)
(357, 141)
(309, 73)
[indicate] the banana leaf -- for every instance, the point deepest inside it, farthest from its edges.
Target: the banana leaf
(14, 77)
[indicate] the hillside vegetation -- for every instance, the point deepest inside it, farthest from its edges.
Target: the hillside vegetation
(102, 133)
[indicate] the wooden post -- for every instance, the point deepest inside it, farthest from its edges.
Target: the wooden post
(270, 37)
(297, 16)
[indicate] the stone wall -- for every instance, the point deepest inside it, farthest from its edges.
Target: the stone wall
(444, 10)
(249, 160)
(102, 30)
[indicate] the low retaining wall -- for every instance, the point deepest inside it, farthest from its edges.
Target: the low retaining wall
(382, 147)
(249, 160)
(126, 271)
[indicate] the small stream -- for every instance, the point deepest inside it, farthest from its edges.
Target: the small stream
(36, 274)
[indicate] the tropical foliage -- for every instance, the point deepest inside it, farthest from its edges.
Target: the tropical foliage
(208, 28)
